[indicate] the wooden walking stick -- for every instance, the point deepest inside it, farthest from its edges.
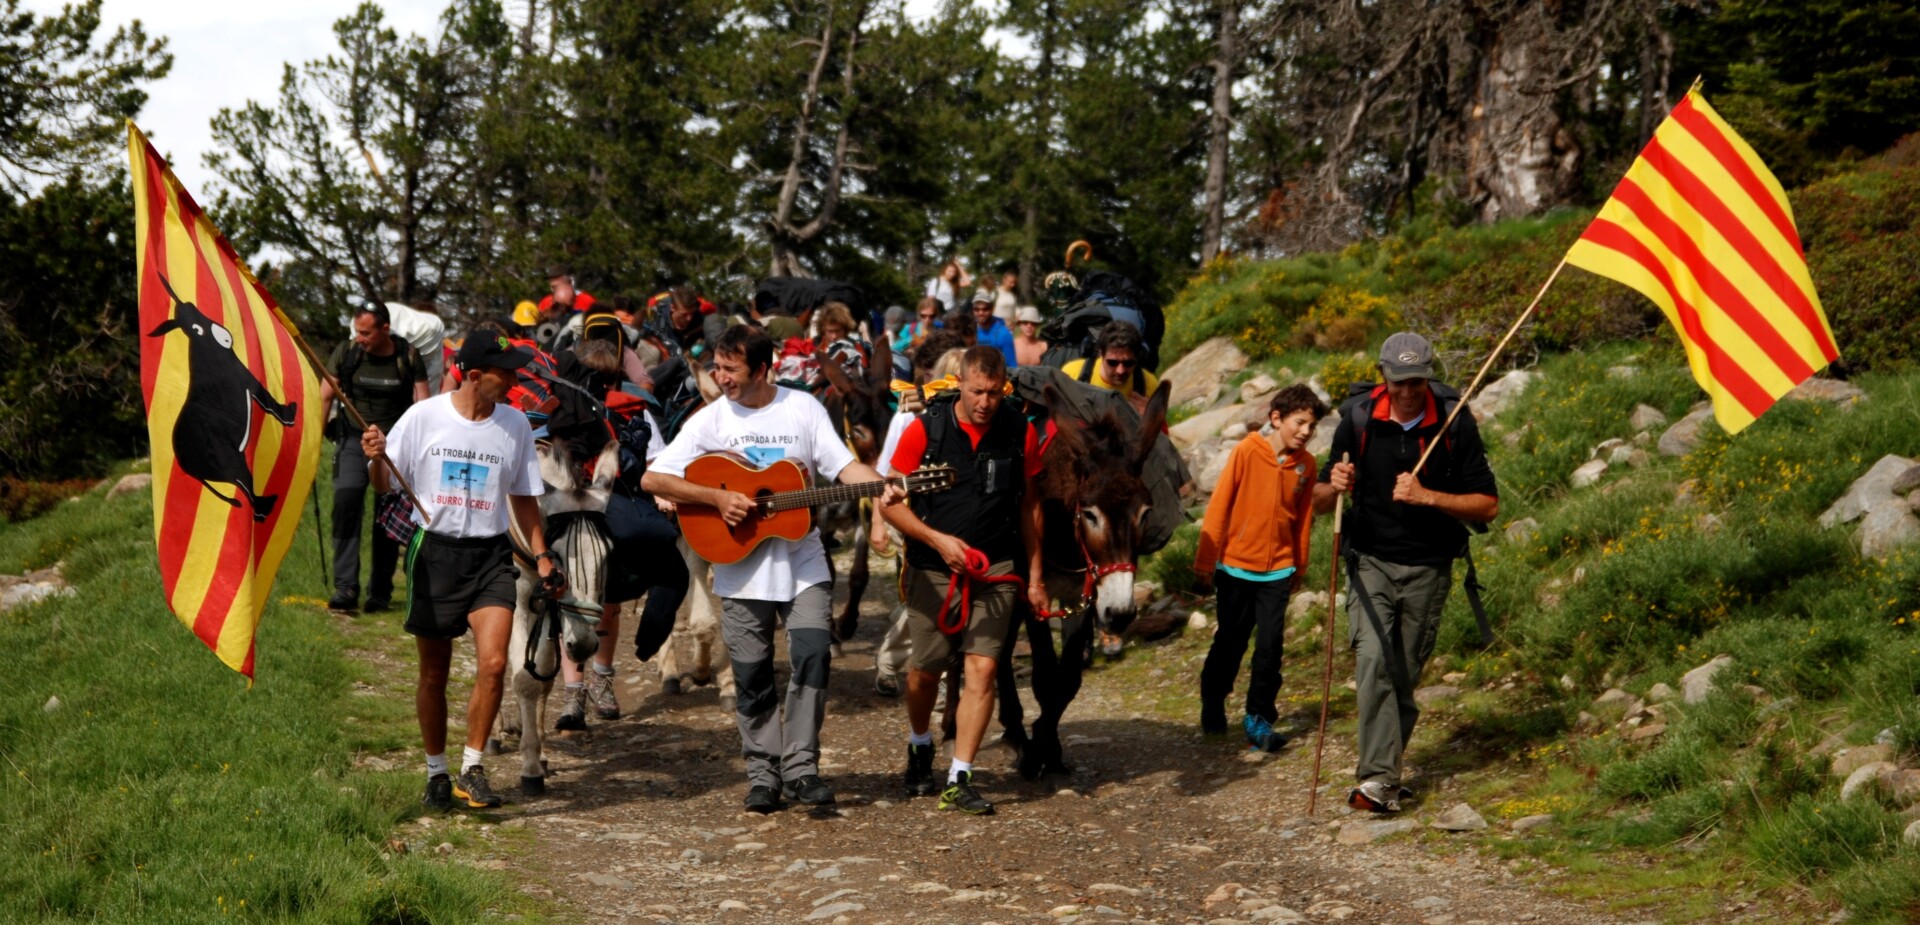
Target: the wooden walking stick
(1326, 678)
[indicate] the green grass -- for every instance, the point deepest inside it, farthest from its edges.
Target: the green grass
(165, 790)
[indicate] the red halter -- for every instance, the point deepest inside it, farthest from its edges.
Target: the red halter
(1094, 574)
(975, 570)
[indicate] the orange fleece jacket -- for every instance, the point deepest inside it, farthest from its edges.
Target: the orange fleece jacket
(1261, 512)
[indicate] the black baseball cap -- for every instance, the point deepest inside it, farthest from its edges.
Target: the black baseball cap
(1406, 355)
(483, 348)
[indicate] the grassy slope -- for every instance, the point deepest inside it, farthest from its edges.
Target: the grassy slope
(164, 790)
(1622, 586)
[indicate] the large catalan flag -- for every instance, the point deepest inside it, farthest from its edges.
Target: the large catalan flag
(232, 411)
(1701, 227)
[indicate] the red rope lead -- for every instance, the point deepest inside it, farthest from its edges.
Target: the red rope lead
(963, 581)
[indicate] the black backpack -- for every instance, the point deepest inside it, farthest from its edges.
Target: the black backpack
(406, 364)
(1101, 298)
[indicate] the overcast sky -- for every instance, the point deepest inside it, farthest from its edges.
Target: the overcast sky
(227, 52)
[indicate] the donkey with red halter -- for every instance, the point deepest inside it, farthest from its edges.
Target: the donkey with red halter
(1096, 502)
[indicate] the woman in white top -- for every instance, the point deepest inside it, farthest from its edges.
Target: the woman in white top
(948, 285)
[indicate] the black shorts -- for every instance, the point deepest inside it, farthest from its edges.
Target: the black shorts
(449, 577)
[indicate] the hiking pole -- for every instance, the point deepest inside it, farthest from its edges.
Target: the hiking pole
(320, 542)
(1326, 677)
(313, 359)
(1482, 374)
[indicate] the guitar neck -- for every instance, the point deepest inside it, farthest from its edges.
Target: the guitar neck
(826, 494)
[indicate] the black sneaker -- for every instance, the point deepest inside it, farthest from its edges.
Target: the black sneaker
(762, 800)
(809, 790)
(344, 602)
(439, 793)
(472, 787)
(920, 771)
(377, 605)
(960, 795)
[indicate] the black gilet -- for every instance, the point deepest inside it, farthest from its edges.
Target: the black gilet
(983, 506)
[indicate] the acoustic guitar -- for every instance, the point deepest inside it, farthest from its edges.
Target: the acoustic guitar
(783, 502)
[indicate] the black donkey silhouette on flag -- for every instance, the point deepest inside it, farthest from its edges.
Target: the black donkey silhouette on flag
(211, 434)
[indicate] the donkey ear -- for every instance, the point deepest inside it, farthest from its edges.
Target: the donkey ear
(1154, 420)
(607, 467)
(554, 468)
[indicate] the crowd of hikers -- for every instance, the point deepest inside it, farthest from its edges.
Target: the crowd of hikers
(460, 418)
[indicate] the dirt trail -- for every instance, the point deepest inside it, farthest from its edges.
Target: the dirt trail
(642, 823)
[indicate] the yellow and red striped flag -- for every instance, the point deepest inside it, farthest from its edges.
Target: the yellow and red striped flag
(232, 413)
(1701, 227)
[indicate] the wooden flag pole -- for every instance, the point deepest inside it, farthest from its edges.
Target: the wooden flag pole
(313, 359)
(1326, 678)
(1462, 404)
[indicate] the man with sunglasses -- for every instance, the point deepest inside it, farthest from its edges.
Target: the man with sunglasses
(1117, 366)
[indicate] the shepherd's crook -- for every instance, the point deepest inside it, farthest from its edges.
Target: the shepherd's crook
(1326, 679)
(1489, 363)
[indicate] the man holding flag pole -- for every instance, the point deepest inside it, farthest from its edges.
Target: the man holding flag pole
(1700, 226)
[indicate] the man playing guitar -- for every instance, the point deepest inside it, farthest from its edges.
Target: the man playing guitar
(780, 579)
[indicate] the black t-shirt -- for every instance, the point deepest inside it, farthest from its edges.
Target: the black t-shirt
(378, 387)
(1409, 534)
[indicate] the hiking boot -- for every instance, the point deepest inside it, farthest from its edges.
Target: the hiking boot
(377, 605)
(762, 800)
(472, 787)
(960, 795)
(920, 771)
(809, 790)
(600, 694)
(439, 793)
(344, 602)
(1261, 735)
(573, 712)
(1373, 797)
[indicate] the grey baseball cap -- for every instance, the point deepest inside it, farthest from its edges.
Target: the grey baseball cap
(1406, 355)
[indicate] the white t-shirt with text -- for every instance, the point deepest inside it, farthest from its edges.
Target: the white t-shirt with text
(462, 470)
(791, 426)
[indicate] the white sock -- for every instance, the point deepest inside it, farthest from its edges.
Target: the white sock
(959, 768)
(436, 764)
(919, 738)
(605, 671)
(469, 759)
(576, 685)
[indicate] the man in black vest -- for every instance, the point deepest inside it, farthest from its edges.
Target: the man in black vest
(1403, 534)
(383, 377)
(967, 548)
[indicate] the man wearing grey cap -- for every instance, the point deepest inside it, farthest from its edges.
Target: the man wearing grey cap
(1401, 538)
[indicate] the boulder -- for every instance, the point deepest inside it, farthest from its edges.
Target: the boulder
(1906, 481)
(1364, 833)
(128, 484)
(1258, 390)
(1684, 435)
(1234, 431)
(1522, 531)
(1300, 603)
(1623, 454)
(1529, 823)
(1615, 697)
(1659, 693)
(1889, 524)
(1902, 786)
(1912, 835)
(1497, 395)
(1460, 818)
(1831, 391)
(1208, 477)
(1436, 693)
(1205, 425)
(1638, 458)
(1199, 375)
(1864, 778)
(1848, 760)
(1695, 685)
(1645, 417)
(1875, 486)
(1322, 439)
(1622, 372)
(1588, 473)
(1606, 447)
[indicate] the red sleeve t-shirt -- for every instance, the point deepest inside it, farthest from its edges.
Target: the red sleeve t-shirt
(913, 446)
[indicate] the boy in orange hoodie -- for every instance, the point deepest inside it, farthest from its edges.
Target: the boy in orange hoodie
(1252, 544)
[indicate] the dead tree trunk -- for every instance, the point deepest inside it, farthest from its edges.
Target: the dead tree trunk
(783, 234)
(1220, 129)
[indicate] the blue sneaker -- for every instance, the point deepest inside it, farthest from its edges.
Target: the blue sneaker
(1261, 735)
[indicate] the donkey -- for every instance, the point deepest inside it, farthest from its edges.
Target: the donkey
(860, 411)
(698, 627)
(1095, 502)
(574, 510)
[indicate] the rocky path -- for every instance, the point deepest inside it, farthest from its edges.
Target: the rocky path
(642, 823)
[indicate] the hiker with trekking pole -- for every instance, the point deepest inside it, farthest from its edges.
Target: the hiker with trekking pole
(1420, 481)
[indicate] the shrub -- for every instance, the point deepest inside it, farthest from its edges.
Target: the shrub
(1341, 372)
(1811, 839)
(1344, 319)
(21, 499)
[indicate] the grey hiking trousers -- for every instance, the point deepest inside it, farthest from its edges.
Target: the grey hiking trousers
(1392, 641)
(780, 744)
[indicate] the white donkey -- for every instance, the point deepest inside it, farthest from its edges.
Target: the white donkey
(698, 629)
(573, 509)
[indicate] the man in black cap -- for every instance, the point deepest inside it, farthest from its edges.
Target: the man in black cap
(470, 460)
(1404, 532)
